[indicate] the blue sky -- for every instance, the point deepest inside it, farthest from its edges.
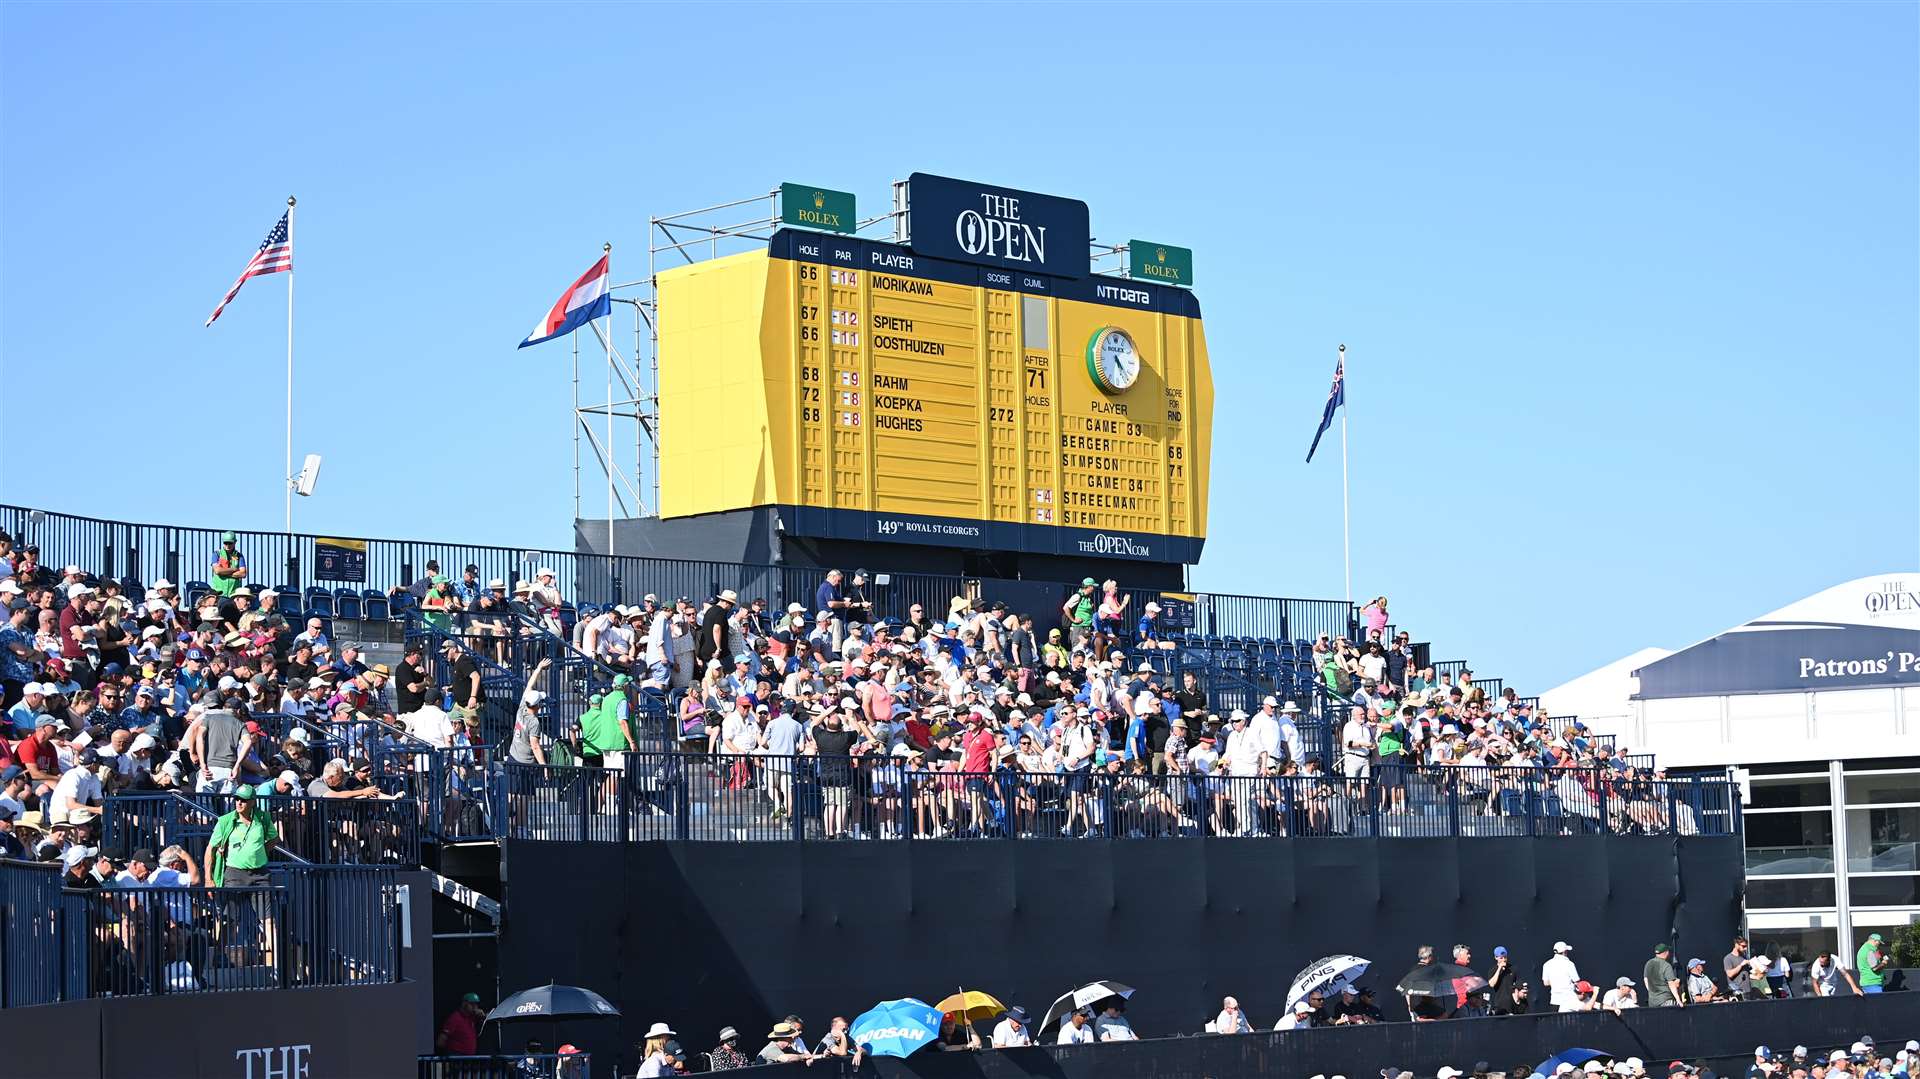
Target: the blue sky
(1629, 291)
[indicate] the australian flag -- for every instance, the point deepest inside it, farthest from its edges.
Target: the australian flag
(1336, 397)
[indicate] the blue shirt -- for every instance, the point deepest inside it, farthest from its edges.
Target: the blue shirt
(134, 719)
(823, 598)
(12, 667)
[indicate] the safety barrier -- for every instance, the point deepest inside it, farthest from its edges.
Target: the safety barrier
(762, 798)
(310, 926)
(361, 831)
(508, 1066)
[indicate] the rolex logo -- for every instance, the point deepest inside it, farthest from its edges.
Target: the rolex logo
(1160, 254)
(819, 200)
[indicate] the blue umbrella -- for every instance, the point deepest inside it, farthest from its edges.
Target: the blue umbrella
(1575, 1057)
(895, 1028)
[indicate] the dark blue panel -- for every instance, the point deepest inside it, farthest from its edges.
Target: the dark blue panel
(988, 535)
(999, 226)
(1769, 660)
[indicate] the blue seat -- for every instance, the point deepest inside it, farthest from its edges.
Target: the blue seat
(289, 597)
(1286, 652)
(568, 617)
(346, 602)
(374, 606)
(319, 601)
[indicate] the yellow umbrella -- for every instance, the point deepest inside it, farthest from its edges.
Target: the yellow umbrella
(972, 1004)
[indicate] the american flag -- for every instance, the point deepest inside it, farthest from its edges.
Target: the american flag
(275, 255)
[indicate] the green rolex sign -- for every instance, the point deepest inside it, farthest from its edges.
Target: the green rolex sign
(817, 208)
(1164, 263)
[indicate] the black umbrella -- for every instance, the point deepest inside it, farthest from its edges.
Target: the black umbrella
(552, 1001)
(1447, 983)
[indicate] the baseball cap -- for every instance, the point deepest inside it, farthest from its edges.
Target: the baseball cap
(1622, 982)
(244, 792)
(471, 998)
(1762, 1052)
(1562, 946)
(1448, 1073)
(79, 856)
(1499, 950)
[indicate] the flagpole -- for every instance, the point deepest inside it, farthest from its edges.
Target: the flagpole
(607, 251)
(1346, 525)
(289, 460)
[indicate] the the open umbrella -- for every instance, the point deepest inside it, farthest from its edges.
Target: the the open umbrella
(1575, 1057)
(895, 1028)
(1080, 998)
(552, 1001)
(1446, 983)
(1326, 975)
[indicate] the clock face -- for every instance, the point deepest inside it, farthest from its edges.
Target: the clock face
(1112, 360)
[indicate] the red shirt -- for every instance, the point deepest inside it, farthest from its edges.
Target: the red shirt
(977, 749)
(33, 749)
(462, 1034)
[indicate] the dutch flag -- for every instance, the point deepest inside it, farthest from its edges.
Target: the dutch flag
(584, 301)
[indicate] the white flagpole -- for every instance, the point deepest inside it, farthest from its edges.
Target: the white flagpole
(1346, 526)
(289, 462)
(608, 251)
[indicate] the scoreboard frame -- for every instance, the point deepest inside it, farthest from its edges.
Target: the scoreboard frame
(990, 440)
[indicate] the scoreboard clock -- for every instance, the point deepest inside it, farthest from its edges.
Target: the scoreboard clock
(1112, 361)
(869, 391)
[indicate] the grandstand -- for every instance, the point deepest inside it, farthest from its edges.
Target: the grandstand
(387, 745)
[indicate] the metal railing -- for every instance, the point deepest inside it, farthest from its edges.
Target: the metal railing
(508, 1066)
(310, 926)
(760, 798)
(358, 831)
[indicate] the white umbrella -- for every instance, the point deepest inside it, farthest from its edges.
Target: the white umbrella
(1325, 975)
(1080, 998)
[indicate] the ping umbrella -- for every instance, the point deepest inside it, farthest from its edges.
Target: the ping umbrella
(552, 1001)
(1080, 998)
(895, 1028)
(1326, 975)
(1447, 983)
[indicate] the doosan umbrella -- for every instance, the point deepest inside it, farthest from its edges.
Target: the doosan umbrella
(895, 1028)
(553, 1002)
(1325, 975)
(1080, 998)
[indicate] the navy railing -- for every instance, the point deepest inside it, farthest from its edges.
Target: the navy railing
(311, 926)
(508, 1066)
(374, 831)
(761, 798)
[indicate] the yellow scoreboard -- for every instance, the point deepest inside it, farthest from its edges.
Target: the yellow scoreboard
(868, 392)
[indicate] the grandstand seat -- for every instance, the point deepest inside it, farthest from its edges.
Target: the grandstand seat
(374, 606)
(1286, 652)
(1213, 644)
(1268, 649)
(289, 597)
(319, 601)
(569, 616)
(194, 590)
(346, 602)
(403, 602)
(135, 592)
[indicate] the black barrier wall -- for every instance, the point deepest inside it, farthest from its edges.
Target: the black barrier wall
(708, 934)
(1655, 1036)
(260, 1034)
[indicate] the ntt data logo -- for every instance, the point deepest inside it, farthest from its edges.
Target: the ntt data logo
(1101, 543)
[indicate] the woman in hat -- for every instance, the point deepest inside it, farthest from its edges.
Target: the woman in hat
(653, 1051)
(727, 1055)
